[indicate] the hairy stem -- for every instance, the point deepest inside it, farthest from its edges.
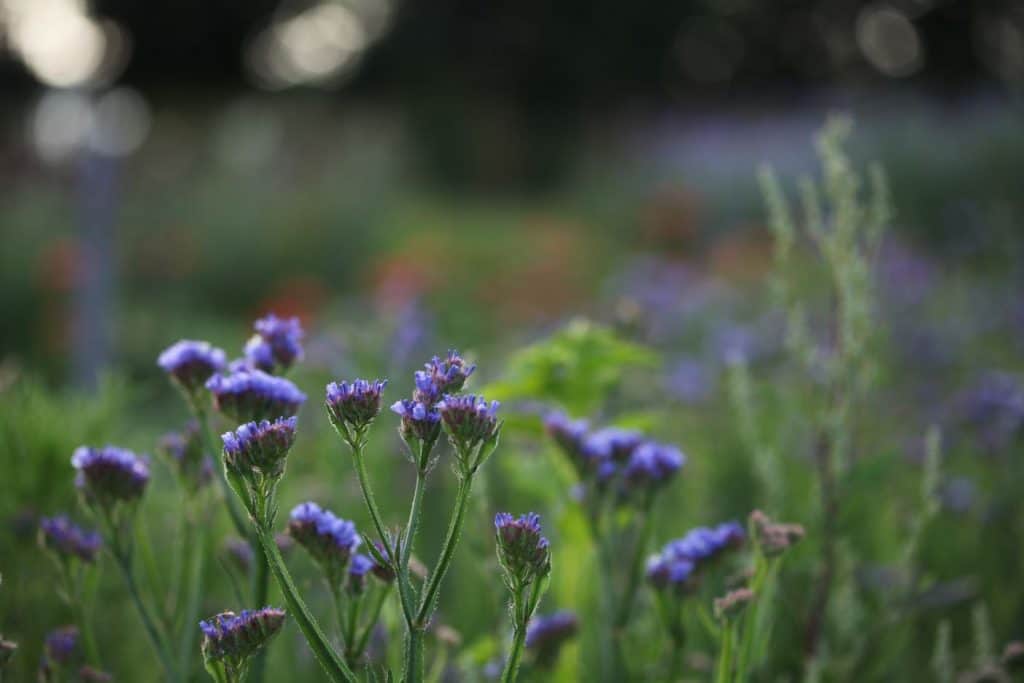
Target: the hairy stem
(336, 669)
(447, 551)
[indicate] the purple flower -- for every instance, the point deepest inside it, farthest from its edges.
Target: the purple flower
(613, 443)
(680, 560)
(993, 409)
(705, 543)
(360, 566)
(567, 433)
(110, 474)
(254, 395)
(330, 540)
(420, 421)
(442, 376)
(545, 635)
(190, 363)
(260, 447)
(652, 464)
(239, 552)
(469, 420)
(277, 344)
(354, 405)
(68, 540)
(690, 381)
(522, 549)
(236, 637)
(61, 646)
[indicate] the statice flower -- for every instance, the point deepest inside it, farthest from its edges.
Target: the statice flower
(680, 560)
(358, 570)
(110, 475)
(259, 448)
(239, 552)
(185, 452)
(277, 344)
(62, 646)
(523, 551)
(330, 540)
(993, 408)
(652, 464)
(568, 434)
(469, 420)
(547, 633)
(68, 540)
(353, 406)
(190, 363)
(230, 639)
(706, 543)
(254, 395)
(613, 443)
(420, 421)
(442, 376)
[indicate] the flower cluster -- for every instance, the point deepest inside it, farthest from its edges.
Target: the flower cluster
(184, 451)
(358, 570)
(679, 560)
(442, 376)
(191, 363)
(523, 551)
(330, 540)
(353, 406)
(110, 475)
(233, 638)
(277, 344)
(546, 634)
(248, 395)
(420, 421)
(67, 540)
(61, 646)
(259, 448)
(469, 420)
(612, 457)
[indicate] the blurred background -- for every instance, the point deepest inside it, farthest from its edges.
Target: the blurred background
(412, 176)
(169, 167)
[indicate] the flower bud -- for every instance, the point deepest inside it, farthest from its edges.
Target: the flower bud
(354, 406)
(330, 540)
(67, 540)
(358, 570)
(442, 376)
(191, 363)
(110, 475)
(250, 395)
(277, 344)
(469, 420)
(259, 448)
(420, 421)
(234, 638)
(522, 551)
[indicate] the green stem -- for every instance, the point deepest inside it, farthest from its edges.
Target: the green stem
(333, 666)
(261, 589)
(447, 551)
(725, 656)
(413, 656)
(750, 624)
(374, 613)
(412, 526)
(354, 603)
(187, 637)
(676, 662)
(515, 656)
(636, 566)
(155, 639)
